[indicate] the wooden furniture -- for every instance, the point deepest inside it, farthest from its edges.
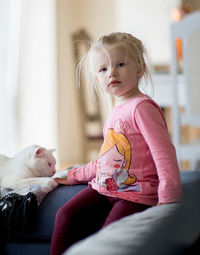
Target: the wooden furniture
(89, 105)
(188, 31)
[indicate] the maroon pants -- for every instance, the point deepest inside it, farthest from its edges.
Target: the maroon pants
(78, 218)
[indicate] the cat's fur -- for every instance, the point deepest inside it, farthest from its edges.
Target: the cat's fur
(33, 165)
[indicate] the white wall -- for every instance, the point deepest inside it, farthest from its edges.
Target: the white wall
(37, 74)
(28, 77)
(149, 20)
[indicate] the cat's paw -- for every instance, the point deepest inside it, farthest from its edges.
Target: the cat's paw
(48, 184)
(47, 181)
(51, 182)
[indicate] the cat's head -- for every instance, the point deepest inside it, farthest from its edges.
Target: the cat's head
(41, 162)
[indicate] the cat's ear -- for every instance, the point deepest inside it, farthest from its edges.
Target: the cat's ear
(39, 152)
(51, 150)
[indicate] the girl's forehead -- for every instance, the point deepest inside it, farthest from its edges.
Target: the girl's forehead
(109, 53)
(114, 50)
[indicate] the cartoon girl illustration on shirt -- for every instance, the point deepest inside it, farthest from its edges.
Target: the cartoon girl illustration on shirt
(114, 162)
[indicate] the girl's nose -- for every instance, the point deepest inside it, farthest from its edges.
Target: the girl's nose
(113, 72)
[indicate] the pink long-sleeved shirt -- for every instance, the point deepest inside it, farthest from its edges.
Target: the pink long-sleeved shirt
(137, 161)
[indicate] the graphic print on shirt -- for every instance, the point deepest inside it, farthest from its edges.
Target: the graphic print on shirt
(114, 162)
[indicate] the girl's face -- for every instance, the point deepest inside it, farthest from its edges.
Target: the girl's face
(116, 72)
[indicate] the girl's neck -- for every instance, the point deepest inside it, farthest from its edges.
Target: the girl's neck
(129, 95)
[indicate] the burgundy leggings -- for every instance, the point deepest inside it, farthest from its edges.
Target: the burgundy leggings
(78, 218)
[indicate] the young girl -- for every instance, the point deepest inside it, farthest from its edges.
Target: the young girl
(137, 166)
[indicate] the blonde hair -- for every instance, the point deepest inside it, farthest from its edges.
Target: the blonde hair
(132, 45)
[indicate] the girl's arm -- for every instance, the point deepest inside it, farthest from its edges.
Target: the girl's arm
(152, 125)
(77, 175)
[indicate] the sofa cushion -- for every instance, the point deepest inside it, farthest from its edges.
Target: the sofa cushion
(43, 222)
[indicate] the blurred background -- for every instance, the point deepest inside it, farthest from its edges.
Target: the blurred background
(40, 41)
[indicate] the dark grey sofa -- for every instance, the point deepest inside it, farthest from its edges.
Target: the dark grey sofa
(36, 241)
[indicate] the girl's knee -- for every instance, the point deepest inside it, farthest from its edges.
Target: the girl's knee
(63, 213)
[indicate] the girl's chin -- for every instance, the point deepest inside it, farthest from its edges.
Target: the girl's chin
(115, 93)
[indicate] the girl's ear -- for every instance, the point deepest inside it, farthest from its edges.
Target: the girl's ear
(141, 70)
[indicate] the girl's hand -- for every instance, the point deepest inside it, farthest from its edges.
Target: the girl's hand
(61, 177)
(62, 181)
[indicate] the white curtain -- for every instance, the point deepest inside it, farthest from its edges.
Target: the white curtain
(27, 74)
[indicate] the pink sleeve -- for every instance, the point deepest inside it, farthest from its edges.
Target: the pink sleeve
(82, 174)
(151, 123)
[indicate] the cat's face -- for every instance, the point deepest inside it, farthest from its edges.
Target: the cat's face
(42, 162)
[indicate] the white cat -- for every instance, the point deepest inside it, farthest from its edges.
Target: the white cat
(33, 165)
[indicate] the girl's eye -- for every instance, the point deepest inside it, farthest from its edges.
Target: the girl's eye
(120, 64)
(103, 69)
(49, 164)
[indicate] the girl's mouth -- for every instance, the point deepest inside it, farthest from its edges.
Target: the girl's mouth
(114, 83)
